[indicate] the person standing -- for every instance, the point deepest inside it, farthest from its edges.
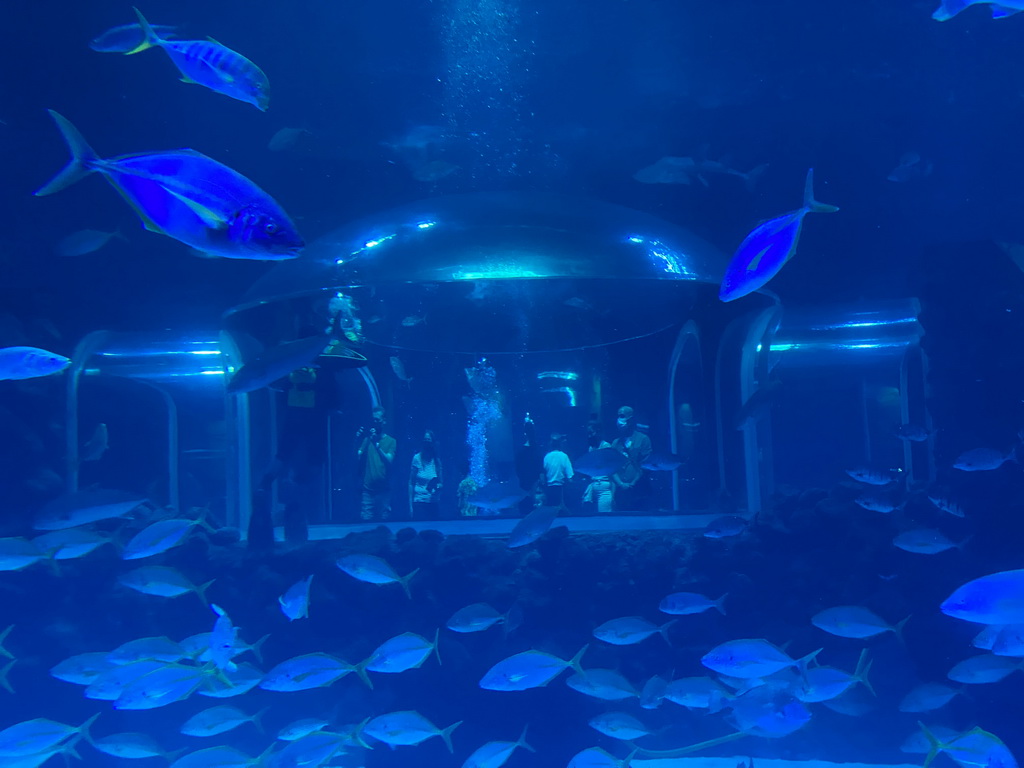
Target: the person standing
(557, 472)
(636, 447)
(600, 492)
(425, 481)
(376, 455)
(529, 467)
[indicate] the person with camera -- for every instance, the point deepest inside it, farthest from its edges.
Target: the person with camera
(376, 456)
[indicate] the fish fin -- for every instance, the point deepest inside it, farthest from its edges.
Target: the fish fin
(802, 663)
(898, 629)
(446, 734)
(187, 80)
(863, 670)
(1002, 11)
(209, 217)
(3, 636)
(83, 729)
(149, 37)
(257, 719)
(575, 662)
(255, 648)
(357, 735)
(810, 203)
(360, 669)
(935, 746)
(4, 682)
(201, 593)
(437, 651)
(83, 158)
(404, 581)
(720, 603)
(663, 630)
(521, 741)
(751, 177)
(201, 254)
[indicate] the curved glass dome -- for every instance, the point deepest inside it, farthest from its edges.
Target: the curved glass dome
(503, 273)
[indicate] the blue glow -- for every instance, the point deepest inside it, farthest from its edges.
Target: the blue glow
(567, 375)
(426, 224)
(826, 347)
(864, 324)
(368, 245)
(759, 347)
(495, 274)
(635, 239)
(569, 391)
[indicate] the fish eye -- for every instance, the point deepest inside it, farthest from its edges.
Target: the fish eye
(270, 227)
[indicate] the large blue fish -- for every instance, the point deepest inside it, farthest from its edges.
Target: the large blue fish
(1000, 9)
(766, 250)
(208, 63)
(188, 196)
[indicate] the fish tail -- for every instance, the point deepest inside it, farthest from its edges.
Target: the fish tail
(898, 629)
(69, 747)
(257, 720)
(575, 663)
(948, 9)
(810, 203)
(4, 682)
(357, 735)
(405, 582)
(935, 746)
(446, 734)
(521, 741)
(83, 729)
(663, 630)
(863, 670)
(255, 648)
(201, 594)
(149, 36)
(720, 603)
(360, 669)
(751, 177)
(83, 158)
(437, 650)
(802, 664)
(3, 636)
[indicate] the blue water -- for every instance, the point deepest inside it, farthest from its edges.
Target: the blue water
(553, 96)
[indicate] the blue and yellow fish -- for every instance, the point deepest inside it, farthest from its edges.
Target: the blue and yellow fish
(766, 250)
(207, 62)
(188, 196)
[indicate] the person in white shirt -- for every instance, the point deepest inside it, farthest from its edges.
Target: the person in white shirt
(425, 481)
(557, 472)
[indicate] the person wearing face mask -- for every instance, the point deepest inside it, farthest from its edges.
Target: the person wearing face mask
(376, 454)
(636, 447)
(425, 481)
